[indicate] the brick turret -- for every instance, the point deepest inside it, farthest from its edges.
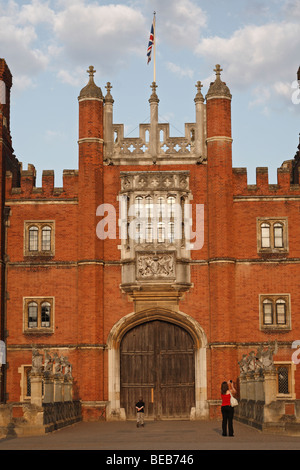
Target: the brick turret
(219, 156)
(90, 248)
(220, 208)
(90, 162)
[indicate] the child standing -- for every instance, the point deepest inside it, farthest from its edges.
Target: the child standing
(140, 410)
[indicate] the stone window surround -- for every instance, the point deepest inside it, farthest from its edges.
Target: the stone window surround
(272, 221)
(24, 370)
(154, 185)
(291, 379)
(39, 224)
(273, 298)
(39, 301)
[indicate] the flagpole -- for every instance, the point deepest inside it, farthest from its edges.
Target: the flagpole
(154, 49)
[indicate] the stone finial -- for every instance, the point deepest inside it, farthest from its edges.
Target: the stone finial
(218, 88)
(153, 97)
(91, 90)
(218, 70)
(199, 96)
(108, 98)
(91, 71)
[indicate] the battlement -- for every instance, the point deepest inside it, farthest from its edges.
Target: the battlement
(285, 185)
(27, 187)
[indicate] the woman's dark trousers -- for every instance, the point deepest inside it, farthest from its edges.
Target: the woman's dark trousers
(227, 415)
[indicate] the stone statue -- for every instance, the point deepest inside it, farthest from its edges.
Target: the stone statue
(68, 369)
(37, 362)
(48, 364)
(251, 360)
(260, 361)
(267, 357)
(243, 363)
(57, 365)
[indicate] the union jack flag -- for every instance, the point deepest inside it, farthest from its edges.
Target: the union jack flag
(150, 44)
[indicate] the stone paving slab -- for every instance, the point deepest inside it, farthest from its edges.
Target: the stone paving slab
(156, 435)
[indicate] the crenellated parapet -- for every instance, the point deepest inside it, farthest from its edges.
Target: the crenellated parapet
(285, 185)
(27, 185)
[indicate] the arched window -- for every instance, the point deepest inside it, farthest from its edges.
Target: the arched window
(265, 235)
(33, 238)
(138, 206)
(161, 232)
(161, 207)
(46, 238)
(278, 235)
(45, 314)
(281, 312)
(149, 207)
(268, 312)
(171, 232)
(149, 233)
(39, 238)
(32, 315)
(138, 233)
(171, 206)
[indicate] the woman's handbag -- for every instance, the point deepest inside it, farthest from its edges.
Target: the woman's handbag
(233, 401)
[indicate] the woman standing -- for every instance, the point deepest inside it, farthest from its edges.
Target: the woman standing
(227, 389)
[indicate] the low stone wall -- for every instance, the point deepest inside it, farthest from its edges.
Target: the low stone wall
(26, 419)
(279, 416)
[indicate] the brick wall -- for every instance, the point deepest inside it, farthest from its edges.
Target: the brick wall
(84, 275)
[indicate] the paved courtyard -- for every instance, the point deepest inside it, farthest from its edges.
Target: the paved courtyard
(156, 435)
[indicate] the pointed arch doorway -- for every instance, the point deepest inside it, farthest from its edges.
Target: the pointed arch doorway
(157, 362)
(115, 346)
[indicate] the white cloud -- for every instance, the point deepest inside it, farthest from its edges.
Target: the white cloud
(179, 22)
(107, 32)
(74, 33)
(254, 53)
(74, 79)
(35, 13)
(18, 39)
(53, 135)
(262, 56)
(180, 71)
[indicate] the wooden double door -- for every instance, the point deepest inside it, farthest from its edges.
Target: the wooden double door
(157, 363)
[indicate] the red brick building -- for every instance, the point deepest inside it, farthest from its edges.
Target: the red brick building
(154, 268)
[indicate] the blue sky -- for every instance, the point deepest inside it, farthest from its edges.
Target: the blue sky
(49, 45)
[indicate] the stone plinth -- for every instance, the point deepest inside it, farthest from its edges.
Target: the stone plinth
(36, 381)
(68, 390)
(48, 388)
(270, 386)
(58, 389)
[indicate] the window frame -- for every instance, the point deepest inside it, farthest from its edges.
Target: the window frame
(40, 328)
(157, 213)
(273, 223)
(24, 370)
(291, 380)
(39, 226)
(274, 300)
